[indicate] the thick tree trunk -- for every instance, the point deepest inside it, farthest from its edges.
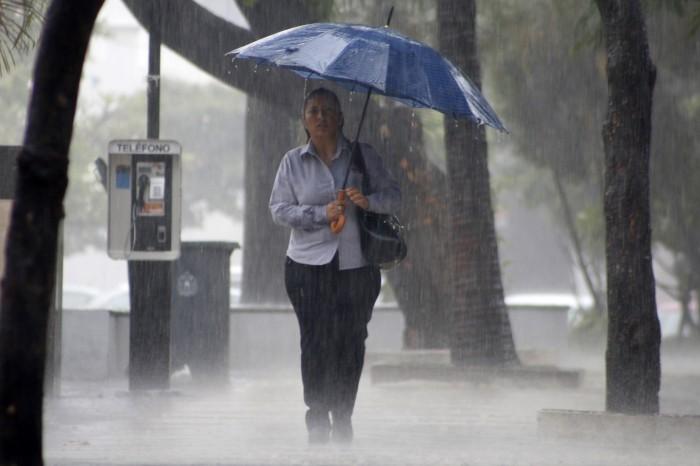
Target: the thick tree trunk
(32, 238)
(264, 243)
(480, 329)
(421, 282)
(270, 132)
(632, 359)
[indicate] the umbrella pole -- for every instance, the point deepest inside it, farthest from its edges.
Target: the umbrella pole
(356, 141)
(337, 225)
(362, 118)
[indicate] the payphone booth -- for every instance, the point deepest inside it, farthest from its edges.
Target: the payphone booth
(144, 200)
(144, 187)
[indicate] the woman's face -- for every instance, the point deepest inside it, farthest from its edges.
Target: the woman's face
(322, 117)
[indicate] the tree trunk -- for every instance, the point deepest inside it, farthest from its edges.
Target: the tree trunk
(421, 282)
(270, 133)
(264, 242)
(33, 235)
(480, 329)
(632, 360)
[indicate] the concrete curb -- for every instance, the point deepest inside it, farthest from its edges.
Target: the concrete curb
(537, 376)
(616, 427)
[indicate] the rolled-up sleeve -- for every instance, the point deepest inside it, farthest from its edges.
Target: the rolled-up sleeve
(285, 207)
(385, 193)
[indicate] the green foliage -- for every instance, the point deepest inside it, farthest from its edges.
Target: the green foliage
(545, 62)
(321, 8)
(688, 9)
(550, 90)
(695, 21)
(675, 167)
(676, 6)
(588, 31)
(553, 91)
(415, 18)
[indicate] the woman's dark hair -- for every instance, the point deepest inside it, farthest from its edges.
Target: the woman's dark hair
(322, 92)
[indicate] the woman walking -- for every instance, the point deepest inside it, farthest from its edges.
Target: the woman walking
(330, 285)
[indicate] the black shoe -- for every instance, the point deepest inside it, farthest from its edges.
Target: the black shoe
(342, 429)
(318, 425)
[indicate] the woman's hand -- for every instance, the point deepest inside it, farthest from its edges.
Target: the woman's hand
(334, 210)
(357, 198)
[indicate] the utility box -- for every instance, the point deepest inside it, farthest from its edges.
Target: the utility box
(200, 310)
(144, 187)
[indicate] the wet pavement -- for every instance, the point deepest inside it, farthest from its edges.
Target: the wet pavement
(258, 420)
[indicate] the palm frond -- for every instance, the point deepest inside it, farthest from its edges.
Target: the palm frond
(18, 26)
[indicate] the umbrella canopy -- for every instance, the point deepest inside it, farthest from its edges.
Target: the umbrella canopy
(364, 58)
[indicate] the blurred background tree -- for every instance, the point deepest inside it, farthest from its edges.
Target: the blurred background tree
(547, 62)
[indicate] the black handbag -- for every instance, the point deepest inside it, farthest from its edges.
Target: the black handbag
(381, 235)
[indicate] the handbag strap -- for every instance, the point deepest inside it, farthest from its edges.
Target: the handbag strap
(358, 159)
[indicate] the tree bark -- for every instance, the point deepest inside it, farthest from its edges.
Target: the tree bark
(33, 235)
(264, 244)
(421, 282)
(270, 132)
(632, 359)
(480, 330)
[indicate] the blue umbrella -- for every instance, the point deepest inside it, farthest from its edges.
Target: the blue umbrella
(371, 59)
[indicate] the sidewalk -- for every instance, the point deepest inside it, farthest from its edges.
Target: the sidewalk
(258, 420)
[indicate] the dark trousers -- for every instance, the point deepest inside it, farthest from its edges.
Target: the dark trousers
(333, 308)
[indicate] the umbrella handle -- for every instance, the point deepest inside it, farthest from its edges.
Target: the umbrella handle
(338, 224)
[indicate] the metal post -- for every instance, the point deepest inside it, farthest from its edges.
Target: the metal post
(154, 42)
(150, 282)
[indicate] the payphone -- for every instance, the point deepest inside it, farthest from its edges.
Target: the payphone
(144, 199)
